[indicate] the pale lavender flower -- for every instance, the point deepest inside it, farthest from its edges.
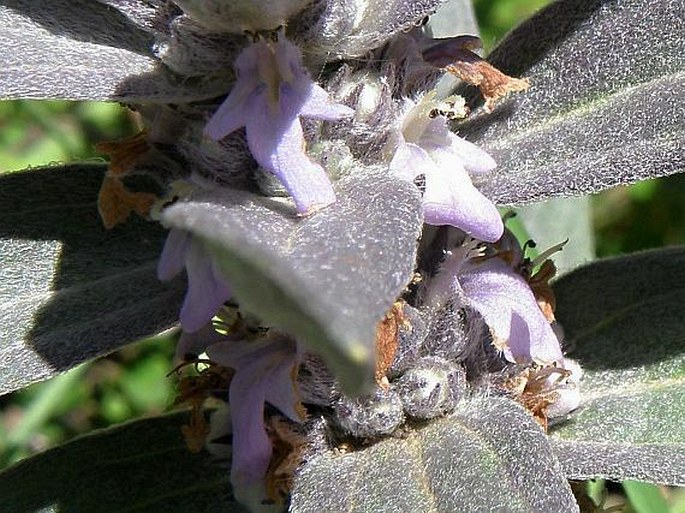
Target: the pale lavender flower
(504, 299)
(428, 149)
(272, 91)
(265, 372)
(207, 288)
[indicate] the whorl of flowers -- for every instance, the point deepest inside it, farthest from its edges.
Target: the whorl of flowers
(286, 125)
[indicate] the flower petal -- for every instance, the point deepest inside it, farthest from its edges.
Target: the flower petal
(272, 91)
(451, 199)
(473, 159)
(318, 105)
(278, 145)
(172, 260)
(508, 306)
(282, 391)
(274, 359)
(264, 372)
(251, 445)
(206, 290)
(411, 161)
(434, 134)
(233, 112)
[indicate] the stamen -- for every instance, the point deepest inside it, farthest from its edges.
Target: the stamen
(510, 214)
(547, 253)
(530, 243)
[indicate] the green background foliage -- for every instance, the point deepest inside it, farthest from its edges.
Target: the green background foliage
(133, 382)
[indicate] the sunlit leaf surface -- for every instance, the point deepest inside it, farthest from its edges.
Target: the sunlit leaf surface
(490, 455)
(605, 105)
(623, 322)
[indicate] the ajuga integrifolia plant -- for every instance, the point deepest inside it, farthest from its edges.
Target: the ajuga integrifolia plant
(312, 202)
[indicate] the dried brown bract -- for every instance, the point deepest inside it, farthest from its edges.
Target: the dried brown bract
(542, 290)
(194, 391)
(455, 55)
(288, 453)
(115, 201)
(387, 340)
(535, 388)
(124, 154)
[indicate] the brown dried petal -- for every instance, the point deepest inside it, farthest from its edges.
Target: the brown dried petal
(124, 153)
(533, 390)
(455, 55)
(288, 453)
(116, 202)
(539, 284)
(493, 84)
(387, 341)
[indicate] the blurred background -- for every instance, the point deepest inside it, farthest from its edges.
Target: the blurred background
(132, 382)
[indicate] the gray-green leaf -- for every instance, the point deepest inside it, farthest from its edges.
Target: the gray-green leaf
(70, 290)
(606, 104)
(343, 29)
(84, 50)
(623, 321)
(489, 455)
(139, 466)
(328, 278)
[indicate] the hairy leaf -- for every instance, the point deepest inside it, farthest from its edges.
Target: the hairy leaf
(605, 106)
(151, 15)
(623, 322)
(139, 466)
(69, 289)
(84, 50)
(349, 28)
(328, 278)
(490, 455)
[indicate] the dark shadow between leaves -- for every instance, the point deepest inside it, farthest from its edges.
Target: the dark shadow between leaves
(104, 291)
(625, 312)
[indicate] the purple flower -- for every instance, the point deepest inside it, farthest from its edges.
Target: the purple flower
(428, 149)
(504, 299)
(207, 289)
(265, 372)
(270, 94)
